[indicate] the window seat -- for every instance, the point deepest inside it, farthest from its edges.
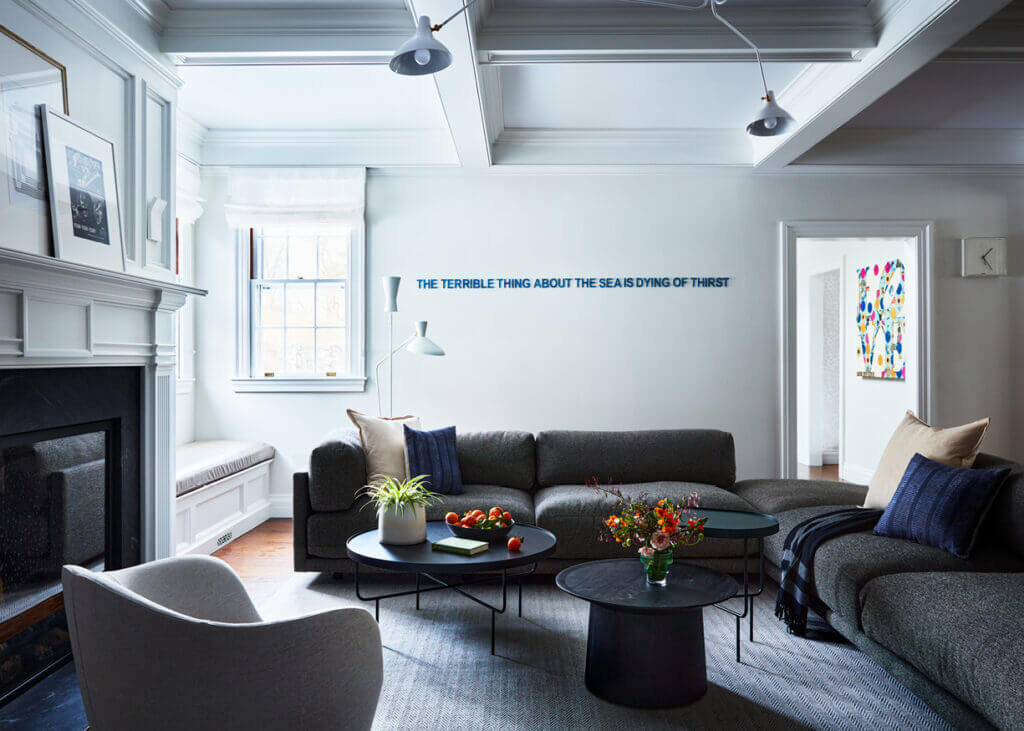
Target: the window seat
(223, 491)
(200, 463)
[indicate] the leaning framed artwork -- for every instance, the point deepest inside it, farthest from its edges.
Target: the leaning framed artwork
(881, 322)
(84, 204)
(28, 77)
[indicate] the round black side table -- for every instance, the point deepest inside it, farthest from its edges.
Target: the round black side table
(645, 644)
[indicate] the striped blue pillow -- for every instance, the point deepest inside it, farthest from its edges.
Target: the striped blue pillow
(940, 506)
(433, 453)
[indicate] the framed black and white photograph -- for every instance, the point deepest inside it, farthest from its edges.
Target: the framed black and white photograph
(83, 194)
(28, 78)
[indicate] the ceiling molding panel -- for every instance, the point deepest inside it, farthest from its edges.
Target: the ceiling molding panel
(356, 31)
(827, 96)
(921, 147)
(633, 33)
(519, 146)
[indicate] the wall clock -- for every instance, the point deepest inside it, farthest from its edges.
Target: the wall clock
(983, 257)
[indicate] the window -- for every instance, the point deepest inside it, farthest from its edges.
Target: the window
(303, 302)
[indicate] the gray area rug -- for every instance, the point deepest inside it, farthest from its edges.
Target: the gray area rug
(439, 673)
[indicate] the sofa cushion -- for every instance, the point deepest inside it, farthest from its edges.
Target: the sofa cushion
(200, 463)
(704, 456)
(1004, 526)
(383, 442)
(941, 506)
(432, 453)
(843, 565)
(776, 496)
(337, 472)
(574, 514)
(955, 446)
(506, 458)
(962, 630)
(327, 532)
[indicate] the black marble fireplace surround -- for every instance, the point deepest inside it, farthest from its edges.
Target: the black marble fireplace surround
(70, 492)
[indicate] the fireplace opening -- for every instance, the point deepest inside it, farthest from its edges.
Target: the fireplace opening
(69, 494)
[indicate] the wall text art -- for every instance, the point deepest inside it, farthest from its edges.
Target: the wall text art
(573, 283)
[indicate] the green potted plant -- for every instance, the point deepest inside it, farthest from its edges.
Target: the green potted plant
(401, 508)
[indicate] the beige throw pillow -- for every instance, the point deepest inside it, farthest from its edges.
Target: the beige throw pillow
(954, 447)
(383, 444)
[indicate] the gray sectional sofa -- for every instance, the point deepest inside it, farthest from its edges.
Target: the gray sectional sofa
(951, 630)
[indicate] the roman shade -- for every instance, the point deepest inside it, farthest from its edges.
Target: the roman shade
(297, 199)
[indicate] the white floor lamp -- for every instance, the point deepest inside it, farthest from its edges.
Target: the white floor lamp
(417, 343)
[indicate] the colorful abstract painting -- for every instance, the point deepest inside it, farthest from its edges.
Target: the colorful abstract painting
(881, 324)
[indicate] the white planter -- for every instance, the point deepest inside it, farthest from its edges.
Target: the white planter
(402, 528)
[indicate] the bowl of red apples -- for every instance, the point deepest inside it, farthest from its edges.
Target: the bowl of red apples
(492, 526)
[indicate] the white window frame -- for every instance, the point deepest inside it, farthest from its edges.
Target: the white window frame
(185, 317)
(354, 380)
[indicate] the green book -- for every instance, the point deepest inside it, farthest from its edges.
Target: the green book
(461, 546)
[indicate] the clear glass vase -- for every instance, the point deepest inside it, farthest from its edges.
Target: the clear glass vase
(656, 566)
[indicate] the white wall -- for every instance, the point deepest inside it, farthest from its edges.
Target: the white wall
(616, 359)
(869, 409)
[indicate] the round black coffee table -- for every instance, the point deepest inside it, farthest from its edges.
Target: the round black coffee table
(366, 549)
(645, 644)
(744, 526)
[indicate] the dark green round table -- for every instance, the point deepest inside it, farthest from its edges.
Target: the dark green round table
(742, 526)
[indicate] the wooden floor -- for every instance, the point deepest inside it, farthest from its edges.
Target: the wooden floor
(825, 472)
(262, 557)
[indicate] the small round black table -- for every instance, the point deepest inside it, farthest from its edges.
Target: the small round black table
(744, 526)
(366, 549)
(645, 644)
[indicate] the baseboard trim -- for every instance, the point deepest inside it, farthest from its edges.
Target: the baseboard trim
(280, 506)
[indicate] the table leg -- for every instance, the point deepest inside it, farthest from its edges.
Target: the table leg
(520, 582)
(376, 610)
(493, 615)
(619, 643)
(417, 591)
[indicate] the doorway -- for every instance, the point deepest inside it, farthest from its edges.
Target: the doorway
(855, 342)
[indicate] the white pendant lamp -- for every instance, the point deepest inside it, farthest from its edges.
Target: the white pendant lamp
(421, 54)
(772, 120)
(424, 54)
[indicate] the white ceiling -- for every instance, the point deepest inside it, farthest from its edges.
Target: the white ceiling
(308, 97)
(280, 4)
(952, 96)
(637, 95)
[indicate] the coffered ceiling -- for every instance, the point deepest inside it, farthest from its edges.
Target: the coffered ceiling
(578, 82)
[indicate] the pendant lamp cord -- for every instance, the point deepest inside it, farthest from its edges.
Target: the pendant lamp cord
(713, 4)
(454, 15)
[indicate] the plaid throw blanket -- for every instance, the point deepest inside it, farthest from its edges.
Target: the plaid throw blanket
(796, 583)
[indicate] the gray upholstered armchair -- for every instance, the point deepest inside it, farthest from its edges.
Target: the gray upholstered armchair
(177, 644)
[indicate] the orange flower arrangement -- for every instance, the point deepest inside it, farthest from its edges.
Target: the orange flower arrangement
(651, 527)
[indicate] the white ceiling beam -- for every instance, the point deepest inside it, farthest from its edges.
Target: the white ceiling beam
(945, 148)
(826, 96)
(460, 86)
(643, 34)
(354, 32)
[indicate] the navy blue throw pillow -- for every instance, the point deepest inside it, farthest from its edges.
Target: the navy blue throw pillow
(940, 506)
(433, 453)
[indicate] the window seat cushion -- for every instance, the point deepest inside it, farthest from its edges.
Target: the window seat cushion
(200, 463)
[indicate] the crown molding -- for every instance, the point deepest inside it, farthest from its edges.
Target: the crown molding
(545, 146)
(45, 13)
(154, 12)
(366, 147)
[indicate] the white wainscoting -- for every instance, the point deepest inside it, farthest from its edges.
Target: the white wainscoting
(214, 515)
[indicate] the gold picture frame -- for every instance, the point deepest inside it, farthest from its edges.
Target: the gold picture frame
(29, 78)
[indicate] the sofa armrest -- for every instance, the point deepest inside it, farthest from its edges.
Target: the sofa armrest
(301, 510)
(337, 472)
(777, 496)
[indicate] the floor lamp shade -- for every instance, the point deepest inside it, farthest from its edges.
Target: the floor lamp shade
(391, 293)
(421, 344)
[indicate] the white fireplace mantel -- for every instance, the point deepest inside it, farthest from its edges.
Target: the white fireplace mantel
(57, 314)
